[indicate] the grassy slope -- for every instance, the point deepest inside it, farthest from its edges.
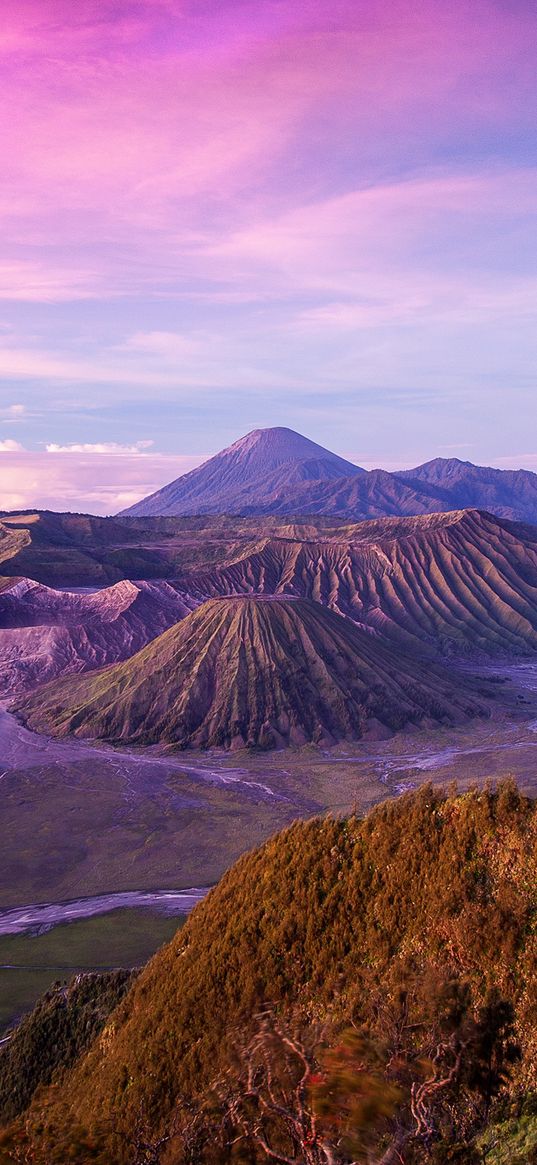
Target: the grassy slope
(78, 550)
(12, 543)
(61, 1027)
(323, 919)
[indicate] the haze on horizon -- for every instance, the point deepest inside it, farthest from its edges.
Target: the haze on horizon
(218, 217)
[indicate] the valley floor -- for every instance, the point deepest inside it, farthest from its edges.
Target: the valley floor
(83, 821)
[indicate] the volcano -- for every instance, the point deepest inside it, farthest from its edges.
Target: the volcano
(457, 584)
(279, 472)
(264, 462)
(254, 672)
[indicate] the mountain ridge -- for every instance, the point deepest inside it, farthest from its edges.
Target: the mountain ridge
(45, 632)
(277, 471)
(458, 584)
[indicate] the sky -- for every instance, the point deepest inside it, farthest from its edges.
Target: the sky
(219, 215)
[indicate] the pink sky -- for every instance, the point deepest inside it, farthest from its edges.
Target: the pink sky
(216, 216)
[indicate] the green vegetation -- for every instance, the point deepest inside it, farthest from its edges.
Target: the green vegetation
(60, 1028)
(121, 938)
(81, 550)
(513, 1142)
(413, 928)
(12, 542)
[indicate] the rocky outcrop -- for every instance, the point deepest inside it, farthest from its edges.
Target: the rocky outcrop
(46, 633)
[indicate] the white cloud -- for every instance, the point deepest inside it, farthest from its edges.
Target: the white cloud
(15, 412)
(110, 447)
(10, 446)
(85, 482)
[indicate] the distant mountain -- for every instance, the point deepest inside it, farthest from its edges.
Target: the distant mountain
(509, 493)
(253, 672)
(251, 469)
(377, 494)
(45, 633)
(278, 472)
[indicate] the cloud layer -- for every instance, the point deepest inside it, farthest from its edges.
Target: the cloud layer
(86, 481)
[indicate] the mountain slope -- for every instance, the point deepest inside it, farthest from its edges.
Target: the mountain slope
(45, 633)
(78, 550)
(249, 671)
(356, 498)
(429, 489)
(62, 1025)
(12, 541)
(247, 469)
(510, 493)
(327, 921)
(276, 471)
(460, 583)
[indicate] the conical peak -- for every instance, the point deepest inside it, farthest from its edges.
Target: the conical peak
(277, 443)
(269, 610)
(278, 434)
(252, 671)
(250, 470)
(258, 600)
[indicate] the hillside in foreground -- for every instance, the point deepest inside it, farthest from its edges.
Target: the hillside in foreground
(397, 952)
(253, 672)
